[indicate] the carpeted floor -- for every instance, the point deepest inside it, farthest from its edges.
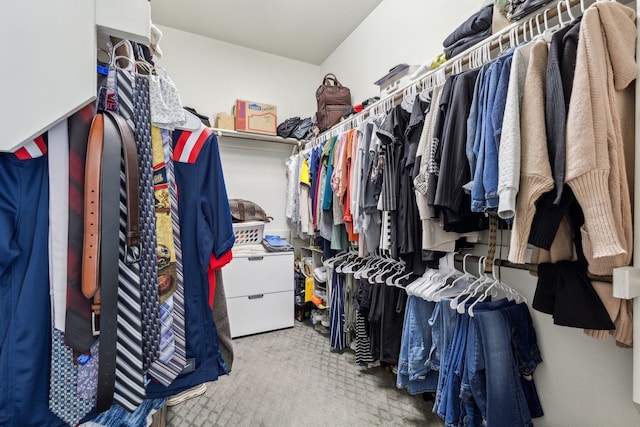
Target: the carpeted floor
(292, 378)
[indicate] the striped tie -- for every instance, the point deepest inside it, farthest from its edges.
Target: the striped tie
(125, 84)
(130, 380)
(166, 368)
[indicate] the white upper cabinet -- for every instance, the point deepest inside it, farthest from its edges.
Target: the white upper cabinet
(48, 58)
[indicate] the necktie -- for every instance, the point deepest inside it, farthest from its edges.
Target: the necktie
(166, 372)
(64, 400)
(167, 276)
(148, 260)
(124, 85)
(130, 379)
(63, 396)
(78, 319)
(58, 160)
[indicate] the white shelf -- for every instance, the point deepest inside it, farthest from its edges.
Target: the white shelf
(256, 137)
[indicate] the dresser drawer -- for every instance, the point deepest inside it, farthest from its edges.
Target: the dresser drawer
(260, 313)
(259, 274)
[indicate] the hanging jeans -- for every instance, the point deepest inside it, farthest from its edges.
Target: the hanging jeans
(502, 356)
(414, 371)
(443, 323)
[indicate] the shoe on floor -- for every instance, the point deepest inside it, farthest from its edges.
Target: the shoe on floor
(187, 394)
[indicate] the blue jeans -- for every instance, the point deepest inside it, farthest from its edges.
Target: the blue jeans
(443, 325)
(449, 405)
(470, 416)
(413, 370)
(455, 409)
(501, 347)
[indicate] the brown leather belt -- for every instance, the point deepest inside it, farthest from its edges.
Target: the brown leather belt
(110, 138)
(93, 205)
(132, 250)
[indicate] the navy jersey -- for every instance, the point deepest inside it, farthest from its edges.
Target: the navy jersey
(25, 310)
(205, 229)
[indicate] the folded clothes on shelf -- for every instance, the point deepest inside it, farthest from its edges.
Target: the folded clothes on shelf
(276, 244)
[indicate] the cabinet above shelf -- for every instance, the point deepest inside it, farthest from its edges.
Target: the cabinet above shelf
(226, 133)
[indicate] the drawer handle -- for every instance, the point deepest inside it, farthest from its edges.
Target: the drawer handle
(257, 296)
(256, 258)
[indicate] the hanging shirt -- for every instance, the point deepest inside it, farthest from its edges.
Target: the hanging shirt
(25, 310)
(205, 229)
(509, 152)
(454, 169)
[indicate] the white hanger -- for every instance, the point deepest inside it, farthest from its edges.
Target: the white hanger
(465, 276)
(568, 5)
(389, 280)
(559, 8)
(486, 280)
(130, 58)
(441, 281)
(531, 33)
(455, 301)
(413, 288)
(492, 284)
(330, 262)
(472, 288)
(548, 31)
(387, 265)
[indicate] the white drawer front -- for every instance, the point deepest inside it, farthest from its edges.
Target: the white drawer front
(260, 313)
(258, 274)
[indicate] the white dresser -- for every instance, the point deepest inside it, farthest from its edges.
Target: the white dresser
(259, 292)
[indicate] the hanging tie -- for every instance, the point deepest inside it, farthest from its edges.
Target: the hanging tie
(148, 260)
(173, 344)
(78, 334)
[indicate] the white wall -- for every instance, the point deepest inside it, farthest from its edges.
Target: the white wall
(210, 75)
(396, 32)
(582, 382)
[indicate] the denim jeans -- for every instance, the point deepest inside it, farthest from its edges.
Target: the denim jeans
(443, 320)
(449, 406)
(526, 353)
(494, 370)
(413, 370)
(471, 415)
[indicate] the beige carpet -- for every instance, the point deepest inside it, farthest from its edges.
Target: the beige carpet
(292, 378)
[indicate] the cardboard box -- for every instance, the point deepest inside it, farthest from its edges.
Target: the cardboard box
(225, 121)
(256, 117)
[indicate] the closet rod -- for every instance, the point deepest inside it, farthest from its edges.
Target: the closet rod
(527, 267)
(459, 60)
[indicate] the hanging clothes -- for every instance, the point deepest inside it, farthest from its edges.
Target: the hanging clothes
(25, 308)
(203, 231)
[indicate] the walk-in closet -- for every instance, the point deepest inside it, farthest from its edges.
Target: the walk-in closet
(362, 213)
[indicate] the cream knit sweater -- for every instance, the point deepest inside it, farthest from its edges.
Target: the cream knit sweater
(535, 172)
(597, 139)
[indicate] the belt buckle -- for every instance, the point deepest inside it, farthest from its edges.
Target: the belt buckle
(131, 254)
(94, 330)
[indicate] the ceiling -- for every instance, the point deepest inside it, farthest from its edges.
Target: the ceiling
(304, 30)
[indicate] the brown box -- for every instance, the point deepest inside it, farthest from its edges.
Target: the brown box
(256, 117)
(225, 121)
